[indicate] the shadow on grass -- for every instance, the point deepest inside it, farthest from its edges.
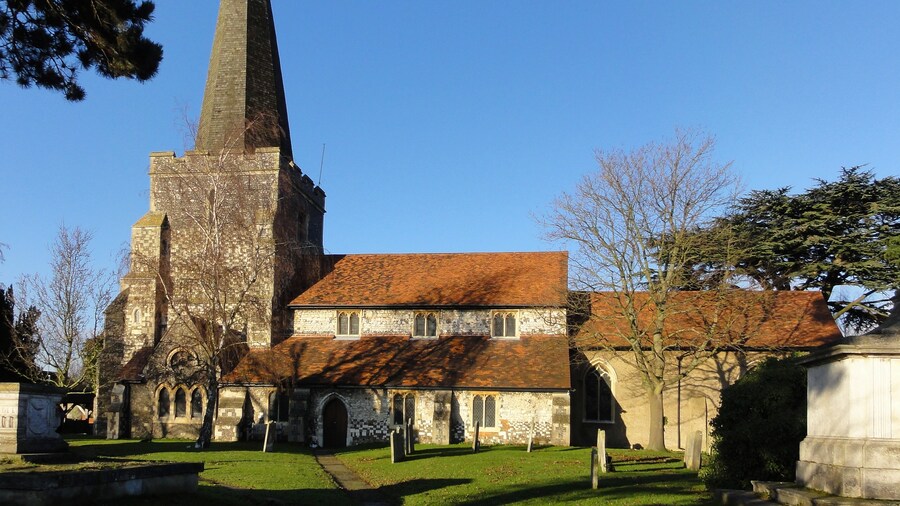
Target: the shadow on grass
(224, 496)
(101, 448)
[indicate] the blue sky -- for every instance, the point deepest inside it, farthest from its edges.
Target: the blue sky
(449, 124)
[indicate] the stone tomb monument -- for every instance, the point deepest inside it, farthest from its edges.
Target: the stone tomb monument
(29, 416)
(852, 447)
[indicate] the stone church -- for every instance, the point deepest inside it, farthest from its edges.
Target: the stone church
(339, 349)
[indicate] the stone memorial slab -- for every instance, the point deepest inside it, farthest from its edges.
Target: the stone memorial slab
(396, 447)
(476, 444)
(595, 469)
(29, 417)
(269, 440)
(692, 454)
(601, 451)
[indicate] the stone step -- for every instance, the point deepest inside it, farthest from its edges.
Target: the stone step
(790, 494)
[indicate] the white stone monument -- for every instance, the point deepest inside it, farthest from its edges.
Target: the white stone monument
(29, 417)
(852, 447)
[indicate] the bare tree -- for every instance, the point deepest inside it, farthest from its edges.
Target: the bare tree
(71, 303)
(633, 224)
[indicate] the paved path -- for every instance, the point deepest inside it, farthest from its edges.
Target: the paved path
(360, 492)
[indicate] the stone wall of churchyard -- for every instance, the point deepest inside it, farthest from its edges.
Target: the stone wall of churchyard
(456, 322)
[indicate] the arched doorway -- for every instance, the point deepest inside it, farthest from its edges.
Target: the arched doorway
(334, 424)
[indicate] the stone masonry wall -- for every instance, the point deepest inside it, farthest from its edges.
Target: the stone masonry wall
(451, 321)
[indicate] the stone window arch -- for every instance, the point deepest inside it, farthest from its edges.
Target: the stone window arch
(163, 403)
(404, 408)
(599, 401)
(503, 324)
(484, 410)
(180, 402)
(425, 324)
(136, 316)
(197, 402)
(348, 323)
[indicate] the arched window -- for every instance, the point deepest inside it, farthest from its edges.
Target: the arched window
(425, 324)
(279, 403)
(484, 410)
(503, 324)
(196, 403)
(136, 316)
(348, 323)
(180, 403)
(404, 407)
(162, 405)
(598, 396)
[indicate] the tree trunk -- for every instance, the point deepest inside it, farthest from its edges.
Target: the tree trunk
(206, 429)
(657, 440)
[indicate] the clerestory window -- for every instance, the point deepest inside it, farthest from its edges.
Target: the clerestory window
(348, 323)
(425, 324)
(503, 324)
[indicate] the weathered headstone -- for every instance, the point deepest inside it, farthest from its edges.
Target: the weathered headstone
(410, 437)
(595, 468)
(476, 444)
(531, 436)
(693, 450)
(269, 441)
(396, 446)
(601, 451)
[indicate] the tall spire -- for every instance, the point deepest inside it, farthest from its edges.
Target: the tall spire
(244, 106)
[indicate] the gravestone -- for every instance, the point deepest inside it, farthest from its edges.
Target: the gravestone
(601, 451)
(692, 454)
(853, 417)
(531, 436)
(29, 416)
(595, 468)
(396, 446)
(476, 444)
(410, 437)
(269, 440)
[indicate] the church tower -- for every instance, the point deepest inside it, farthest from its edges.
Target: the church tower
(237, 204)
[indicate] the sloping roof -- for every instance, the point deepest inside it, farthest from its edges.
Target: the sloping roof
(749, 319)
(133, 370)
(531, 362)
(442, 279)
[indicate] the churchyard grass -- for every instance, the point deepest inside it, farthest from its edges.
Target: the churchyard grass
(239, 474)
(236, 474)
(508, 474)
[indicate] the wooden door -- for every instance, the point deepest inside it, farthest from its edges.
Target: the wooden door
(334, 420)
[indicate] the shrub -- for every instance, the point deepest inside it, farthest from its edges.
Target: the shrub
(758, 430)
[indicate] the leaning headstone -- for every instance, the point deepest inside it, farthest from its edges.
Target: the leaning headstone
(269, 441)
(476, 444)
(396, 446)
(693, 450)
(595, 468)
(410, 437)
(601, 451)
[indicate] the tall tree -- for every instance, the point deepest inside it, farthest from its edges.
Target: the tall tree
(18, 340)
(71, 303)
(46, 42)
(633, 224)
(836, 234)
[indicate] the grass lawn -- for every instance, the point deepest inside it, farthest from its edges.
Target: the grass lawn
(239, 474)
(508, 474)
(236, 474)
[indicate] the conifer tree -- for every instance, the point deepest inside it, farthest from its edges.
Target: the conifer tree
(46, 42)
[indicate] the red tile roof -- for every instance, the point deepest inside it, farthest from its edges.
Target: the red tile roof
(442, 279)
(750, 319)
(133, 370)
(530, 362)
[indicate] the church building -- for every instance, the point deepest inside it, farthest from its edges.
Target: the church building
(229, 278)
